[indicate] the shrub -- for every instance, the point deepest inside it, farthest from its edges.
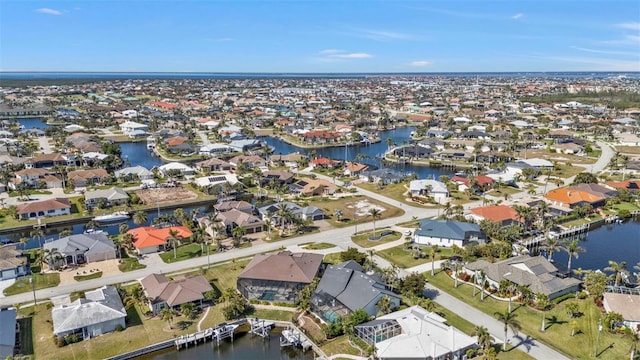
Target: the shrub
(119, 328)
(471, 353)
(464, 277)
(582, 295)
(562, 298)
(59, 341)
(70, 339)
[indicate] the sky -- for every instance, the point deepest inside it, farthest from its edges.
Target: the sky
(320, 36)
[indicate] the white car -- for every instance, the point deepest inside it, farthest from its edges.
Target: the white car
(408, 233)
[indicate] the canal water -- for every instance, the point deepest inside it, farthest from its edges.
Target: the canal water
(136, 153)
(244, 347)
(33, 123)
(373, 153)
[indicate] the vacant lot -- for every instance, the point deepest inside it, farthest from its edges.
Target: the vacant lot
(161, 195)
(354, 208)
(629, 149)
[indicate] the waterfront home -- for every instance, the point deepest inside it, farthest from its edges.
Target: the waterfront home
(132, 172)
(312, 187)
(48, 161)
(13, 264)
(38, 209)
(83, 178)
(213, 164)
(215, 149)
(447, 233)
(570, 198)
(414, 333)
(428, 187)
(278, 277)
(502, 214)
(595, 189)
(176, 169)
(215, 180)
(133, 129)
(324, 162)
(625, 305)
(289, 160)
(537, 163)
(535, 272)
(114, 196)
(274, 178)
(237, 205)
(354, 168)
(233, 218)
(251, 161)
(164, 293)
(345, 288)
(82, 248)
(9, 329)
(270, 212)
(383, 176)
(631, 185)
(481, 182)
(100, 312)
(149, 239)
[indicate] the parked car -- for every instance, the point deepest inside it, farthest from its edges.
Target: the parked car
(408, 233)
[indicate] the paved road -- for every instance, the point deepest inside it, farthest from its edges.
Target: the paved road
(342, 239)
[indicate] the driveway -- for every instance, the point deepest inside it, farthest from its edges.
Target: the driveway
(5, 284)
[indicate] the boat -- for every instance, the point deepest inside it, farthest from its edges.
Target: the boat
(115, 216)
(94, 231)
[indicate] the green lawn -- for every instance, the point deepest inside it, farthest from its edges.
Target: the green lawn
(399, 192)
(339, 345)
(42, 281)
(183, 252)
(318, 246)
(90, 276)
(140, 332)
(363, 239)
(401, 257)
(332, 259)
(558, 328)
(26, 336)
(130, 264)
(629, 149)
(271, 314)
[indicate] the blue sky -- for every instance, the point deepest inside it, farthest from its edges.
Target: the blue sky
(320, 36)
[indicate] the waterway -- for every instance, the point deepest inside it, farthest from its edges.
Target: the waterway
(244, 347)
(617, 242)
(136, 153)
(372, 153)
(33, 123)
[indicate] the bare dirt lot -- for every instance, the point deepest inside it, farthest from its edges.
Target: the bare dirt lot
(162, 195)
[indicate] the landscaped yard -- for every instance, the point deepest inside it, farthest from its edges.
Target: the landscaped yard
(364, 239)
(42, 281)
(399, 192)
(318, 246)
(140, 332)
(339, 345)
(93, 275)
(183, 252)
(401, 257)
(349, 206)
(558, 324)
(130, 264)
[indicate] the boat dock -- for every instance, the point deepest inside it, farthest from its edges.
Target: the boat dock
(294, 337)
(220, 332)
(261, 327)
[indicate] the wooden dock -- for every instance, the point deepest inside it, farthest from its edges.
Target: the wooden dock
(220, 332)
(261, 327)
(294, 337)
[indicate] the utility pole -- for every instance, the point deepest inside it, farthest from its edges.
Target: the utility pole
(33, 287)
(595, 353)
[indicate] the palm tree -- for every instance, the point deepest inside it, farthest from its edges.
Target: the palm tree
(51, 257)
(510, 322)
(375, 214)
(139, 218)
(482, 276)
(174, 239)
(371, 253)
(634, 338)
(456, 269)
(543, 303)
(384, 305)
(37, 233)
(123, 228)
(573, 249)
(483, 335)
(238, 232)
(618, 268)
(338, 214)
(551, 244)
(167, 314)
(432, 254)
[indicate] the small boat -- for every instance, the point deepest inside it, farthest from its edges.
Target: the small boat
(94, 231)
(116, 216)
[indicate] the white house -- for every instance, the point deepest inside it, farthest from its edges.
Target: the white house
(215, 149)
(437, 189)
(130, 127)
(130, 114)
(447, 233)
(216, 179)
(184, 169)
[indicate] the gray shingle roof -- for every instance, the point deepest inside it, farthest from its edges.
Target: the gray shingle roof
(446, 229)
(98, 306)
(82, 244)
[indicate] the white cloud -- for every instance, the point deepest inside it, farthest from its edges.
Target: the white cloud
(329, 51)
(518, 16)
(352, 56)
(49, 11)
(610, 52)
(629, 26)
(420, 63)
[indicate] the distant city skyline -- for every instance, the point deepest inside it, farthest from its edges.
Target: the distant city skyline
(348, 36)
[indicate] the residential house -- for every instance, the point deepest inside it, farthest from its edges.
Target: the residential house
(83, 178)
(48, 161)
(137, 171)
(570, 198)
(595, 189)
(215, 180)
(9, 330)
(566, 148)
(625, 305)
(12, 263)
(109, 197)
(134, 129)
(148, 239)
(447, 233)
(35, 178)
(234, 205)
(534, 272)
(270, 212)
(324, 162)
(215, 149)
(414, 333)
(482, 182)
(289, 160)
(165, 293)
(278, 277)
(83, 248)
(631, 185)
(213, 165)
(313, 187)
(100, 311)
(176, 169)
(276, 178)
(251, 161)
(233, 218)
(345, 288)
(38, 209)
(502, 214)
(355, 169)
(428, 187)
(244, 145)
(383, 176)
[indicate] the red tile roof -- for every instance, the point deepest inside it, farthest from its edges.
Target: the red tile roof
(498, 213)
(148, 236)
(51, 204)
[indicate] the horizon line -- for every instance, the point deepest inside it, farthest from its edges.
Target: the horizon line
(311, 73)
